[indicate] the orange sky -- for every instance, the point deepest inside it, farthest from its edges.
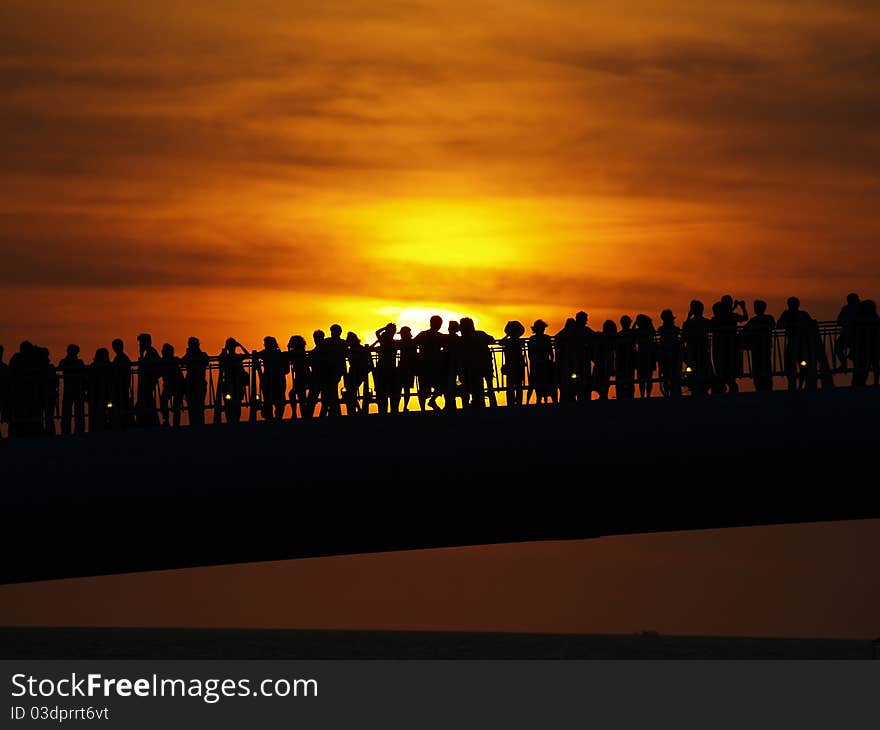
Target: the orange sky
(217, 167)
(221, 167)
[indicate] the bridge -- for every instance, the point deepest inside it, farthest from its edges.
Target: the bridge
(152, 499)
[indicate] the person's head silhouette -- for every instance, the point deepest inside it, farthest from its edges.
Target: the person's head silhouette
(102, 356)
(667, 317)
(852, 298)
(697, 308)
(336, 331)
(760, 306)
(231, 342)
(436, 322)
(193, 344)
(581, 319)
(167, 350)
(609, 327)
(73, 351)
(625, 322)
(352, 340)
(514, 329)
(296, 343)
(454, 327)
(118, 346)
(145, 341)
(466, 326)
(539, 326)
(406, 333)
(270, 343)
(318, 336)
(793, 304)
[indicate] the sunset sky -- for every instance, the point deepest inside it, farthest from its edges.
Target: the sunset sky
(221, 167)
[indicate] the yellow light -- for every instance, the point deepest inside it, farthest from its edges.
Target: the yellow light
(228, 397)
(574, 376)
(487, 233)
(803, 363)
(109, 405)
(417, 317)
(688, 369)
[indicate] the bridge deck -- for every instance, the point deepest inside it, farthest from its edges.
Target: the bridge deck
(150, 499)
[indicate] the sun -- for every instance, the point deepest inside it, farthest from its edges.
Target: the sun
(453, 233)
(418, 317)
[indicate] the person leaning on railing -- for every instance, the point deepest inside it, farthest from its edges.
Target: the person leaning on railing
(233, 380)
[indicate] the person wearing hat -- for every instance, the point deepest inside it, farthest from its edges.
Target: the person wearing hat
(514, 368)
(541, 364)
(669, 345)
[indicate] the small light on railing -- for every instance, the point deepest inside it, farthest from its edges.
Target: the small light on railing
(109, 405)
(227, 396)
(574, 376)
(803, 363)
(689, 369)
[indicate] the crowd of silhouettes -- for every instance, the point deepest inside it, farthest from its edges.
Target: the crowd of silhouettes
(704, 356)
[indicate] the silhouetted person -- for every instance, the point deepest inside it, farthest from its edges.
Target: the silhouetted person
(669, 354)
(49, 386)
(847, 320)
(123, 414)
(300, 375)
(476, 366)
(406, 368)
(27, 392)
(866, 344)
(698, 362)
(725, 348)
(233, 379)
(432, 363)
(580, 342)
(335, 351)
(171, 392)
(73, 395)
(318, 364)
(646, 354)
(566, 361)
(147, 381)
(452, 366)
(271, 366)
(603, 356)
(514, 368)
(799, 353)
(758, 339)
(385, 375)
(195, 360)
(360, 364)
(541, 365)
(625, 360)
(100, 388)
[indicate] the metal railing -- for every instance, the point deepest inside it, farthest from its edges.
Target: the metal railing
(690, 367)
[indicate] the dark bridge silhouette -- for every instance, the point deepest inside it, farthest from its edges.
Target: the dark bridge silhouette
(169, 498)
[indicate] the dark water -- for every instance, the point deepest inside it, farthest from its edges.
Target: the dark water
(124, 643)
